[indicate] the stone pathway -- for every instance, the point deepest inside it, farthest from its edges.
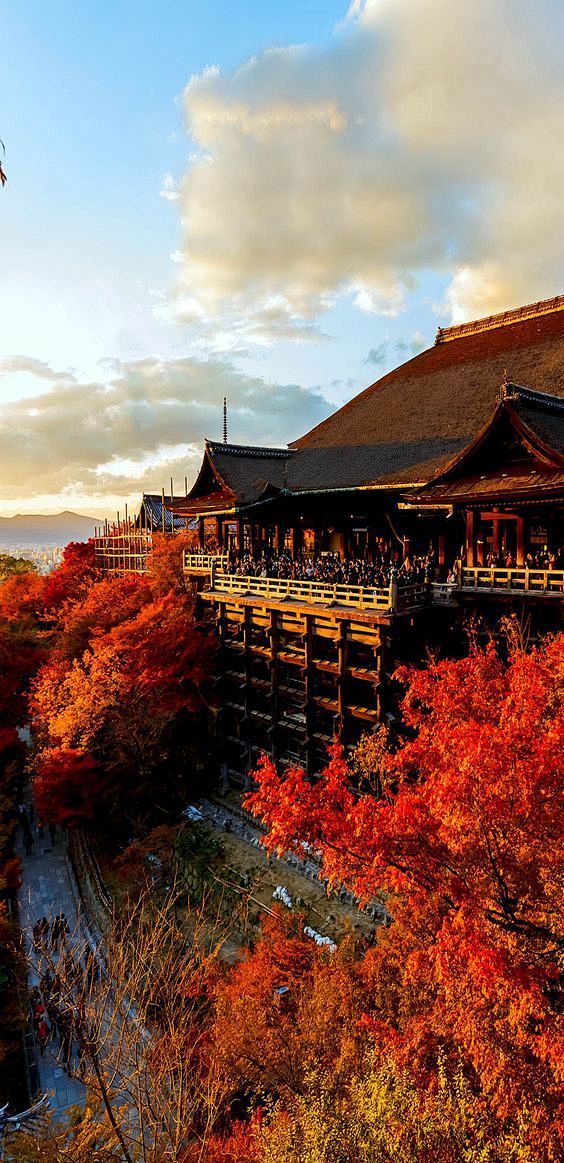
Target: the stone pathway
(45, 891)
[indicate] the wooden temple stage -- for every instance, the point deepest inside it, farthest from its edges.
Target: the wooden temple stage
(454, 460)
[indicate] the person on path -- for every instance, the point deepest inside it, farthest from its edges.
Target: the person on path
(59, 930)
(42, 1034)
(27, 836)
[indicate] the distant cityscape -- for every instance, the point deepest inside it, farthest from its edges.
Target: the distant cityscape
(44, 557)
(41, 538)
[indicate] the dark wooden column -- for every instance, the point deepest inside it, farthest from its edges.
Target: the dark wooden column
(520, 541)
(470, 548)
(495, 536)
(221, 623)
(201, 532)
(247, 658)
(274, 679)
(342, 677)
(379, 652)
(309, 705)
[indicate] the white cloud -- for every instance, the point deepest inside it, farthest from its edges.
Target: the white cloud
(169, 190)
(133, 428)
(426, 137)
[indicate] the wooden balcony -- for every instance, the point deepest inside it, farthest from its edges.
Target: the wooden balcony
(547, 583)
(396, 598)
(205, 562)
(310, 593)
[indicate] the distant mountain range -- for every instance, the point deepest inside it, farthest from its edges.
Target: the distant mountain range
(54, 529)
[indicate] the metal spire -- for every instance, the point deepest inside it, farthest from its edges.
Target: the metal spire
(225, 419)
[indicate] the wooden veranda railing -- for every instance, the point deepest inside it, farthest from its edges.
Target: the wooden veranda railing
(549, 582)
(313, 593)
(397, 597)
(205, 562)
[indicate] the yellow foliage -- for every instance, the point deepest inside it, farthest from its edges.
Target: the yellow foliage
(381, 1116)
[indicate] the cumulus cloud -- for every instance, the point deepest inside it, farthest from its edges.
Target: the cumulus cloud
(425, 137)
(142, 422)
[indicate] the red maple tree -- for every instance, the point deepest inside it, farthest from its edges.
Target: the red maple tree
(465, 844)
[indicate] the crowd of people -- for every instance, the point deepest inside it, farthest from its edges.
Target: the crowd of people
(55, 1001)
(539, 559)
(387, 565)
(30, 827)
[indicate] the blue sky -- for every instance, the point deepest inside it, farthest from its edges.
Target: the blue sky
(196, 207)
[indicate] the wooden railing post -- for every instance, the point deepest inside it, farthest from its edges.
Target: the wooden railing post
(393, 592)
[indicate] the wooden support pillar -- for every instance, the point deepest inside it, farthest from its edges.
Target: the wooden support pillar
(221, 624)
(248, 659)
(309, 705)
(240, 535)
(380, 672)
(520, 541)
(274, 679)
(470, 548)
(201, 532)
(342, 653)
(495, 536)
(219, 532)
(441, 555)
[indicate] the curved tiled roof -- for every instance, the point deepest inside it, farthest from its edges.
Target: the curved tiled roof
(248, 471)
(152, 513)
(409, 424)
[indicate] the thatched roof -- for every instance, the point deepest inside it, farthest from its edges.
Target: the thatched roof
(408, 424)
(413, 423)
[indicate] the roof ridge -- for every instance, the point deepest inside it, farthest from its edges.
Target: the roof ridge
(502, 319)
(247, 449)
(546, 400)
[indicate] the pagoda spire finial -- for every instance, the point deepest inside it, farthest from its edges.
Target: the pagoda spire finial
(225, 419)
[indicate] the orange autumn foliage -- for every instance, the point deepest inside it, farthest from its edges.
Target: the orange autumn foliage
(108, 602)
(126, 698)
(165, 561)
(466, 842)
(72, 577)
(66, 787)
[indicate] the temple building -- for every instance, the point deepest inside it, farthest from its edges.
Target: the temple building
(437, 491)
